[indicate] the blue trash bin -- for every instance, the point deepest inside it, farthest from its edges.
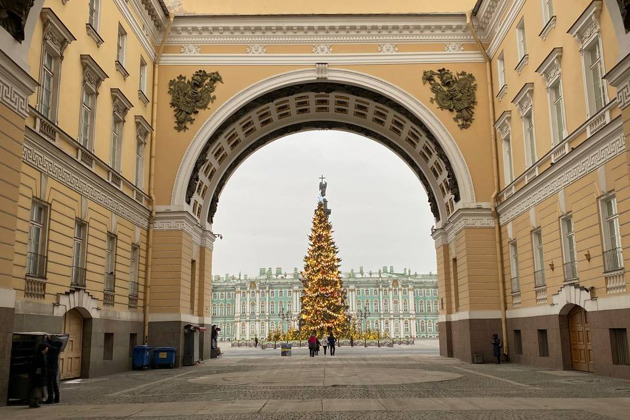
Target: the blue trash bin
(164, 357)
(141, 357)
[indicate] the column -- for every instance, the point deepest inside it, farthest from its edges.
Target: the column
(257, 301)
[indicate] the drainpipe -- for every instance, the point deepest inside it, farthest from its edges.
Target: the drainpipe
(148, 265)
(497, 188)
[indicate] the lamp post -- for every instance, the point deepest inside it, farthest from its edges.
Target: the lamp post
(363, 315)
(285, 316)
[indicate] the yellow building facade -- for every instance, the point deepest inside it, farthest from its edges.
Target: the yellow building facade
(108, 200)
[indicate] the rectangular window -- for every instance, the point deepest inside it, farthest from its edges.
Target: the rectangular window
(613, 257)
(594, 68)
(108, 346)
(543, 344)
(121, 45)
(79, 254)
(515, 280)
(558, 126)
(133, 271)
(116, 143)
(38, 237)
(518, 342)
(133, 342)
(521, 46)
(619, 346)
(530, 138)
(110, 262)
(87, 117)
(501, 70)
(537, 248)
(143, 76)
(508, 167)
(547, 7)
(569, 253)
(93, 13)
(47, 85)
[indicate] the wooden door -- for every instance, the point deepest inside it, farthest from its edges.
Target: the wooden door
(581, 347)
(70, 359)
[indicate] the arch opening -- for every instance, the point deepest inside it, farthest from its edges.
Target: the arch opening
(223, 143)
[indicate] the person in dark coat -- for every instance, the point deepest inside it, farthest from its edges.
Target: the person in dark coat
(52, 357)
(312, 344)
(497, 345)
(37, 376)
(331, 343)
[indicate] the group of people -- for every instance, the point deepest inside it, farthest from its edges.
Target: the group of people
(315, 343)
(44, 372)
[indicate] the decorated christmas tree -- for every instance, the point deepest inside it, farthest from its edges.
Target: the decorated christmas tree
(323, 299)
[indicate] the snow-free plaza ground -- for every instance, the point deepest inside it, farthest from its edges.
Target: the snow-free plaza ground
(403, 382)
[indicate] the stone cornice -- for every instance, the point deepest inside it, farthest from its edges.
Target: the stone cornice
(312, 59)
(463, 218)
(184, 222)
(16, 85)
(600, 148)
(550, 68)
(619, 77)
(47, 158)
(587, 25)
(55, 31)
(283, 29)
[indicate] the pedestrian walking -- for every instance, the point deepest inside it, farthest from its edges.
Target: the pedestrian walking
(256, 342)
(312, 343)
(37, 376)
(52, 363)
(324, 342)
(317, 346)
(331, 343)
(497, 345)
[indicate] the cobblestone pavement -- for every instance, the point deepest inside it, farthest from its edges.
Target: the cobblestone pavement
(357, 383)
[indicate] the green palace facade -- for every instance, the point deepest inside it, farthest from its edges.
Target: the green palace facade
(401, 304)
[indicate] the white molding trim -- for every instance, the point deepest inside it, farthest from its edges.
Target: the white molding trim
(50, 160)
(141, 35)
(587, 26)
(77, 299)
(619, 77)
(355, 78)
(177, 317)
(312, 59)
(601, 147)
(468, 218)
(16, 85)
(320, 29)
(185, 222)
(462, 316)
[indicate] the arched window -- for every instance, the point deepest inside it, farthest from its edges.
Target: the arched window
(252, 329)
(435, 306)
(387, 326)
(406, 327)
(221, 311)
(229, 309)
(430, 326)
(243, 295)
(397, 328)
(396, 306)
(242, 328)
(386, 306)
(262, 330)
(421, 307)
(214, 309)
(262, 307)
(377, 325)
(252, 307)
(405, 306)
(375, 306)
(242, 308)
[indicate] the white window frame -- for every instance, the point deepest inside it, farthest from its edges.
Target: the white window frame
(521, 41)
(79, 254)
(87, 117)
(134, 275)
(116, 143)
(94, 13)
(121, 45)
(538, 255)
(38, 222)
(142, 83)
(547, 11)
(501, 70)
(515, 281)
(529, 138)
(49, 77)
(611, 233)
(508, 161)
(589, 87)
(111, 249)
(556, 99)
(569, 250)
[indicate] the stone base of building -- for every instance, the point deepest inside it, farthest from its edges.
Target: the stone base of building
(559, 341)
(467, 337)
(6, 333)
(174, 334)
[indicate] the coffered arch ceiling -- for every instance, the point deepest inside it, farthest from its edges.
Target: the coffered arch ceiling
(223, 144)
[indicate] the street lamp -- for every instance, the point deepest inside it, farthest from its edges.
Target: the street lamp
(363, 315)
(285, 316)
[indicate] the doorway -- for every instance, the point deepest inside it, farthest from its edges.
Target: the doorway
(581, 346)
(70, 359)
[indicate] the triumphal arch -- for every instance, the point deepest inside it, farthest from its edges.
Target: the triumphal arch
(123, 121)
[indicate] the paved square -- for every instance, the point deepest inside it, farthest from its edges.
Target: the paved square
(358, 383)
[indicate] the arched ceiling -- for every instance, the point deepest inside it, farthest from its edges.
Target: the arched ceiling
(321, 105)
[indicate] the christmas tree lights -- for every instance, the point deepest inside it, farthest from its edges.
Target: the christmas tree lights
(323, 299)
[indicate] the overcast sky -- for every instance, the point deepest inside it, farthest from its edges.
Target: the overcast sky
(380, 213)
